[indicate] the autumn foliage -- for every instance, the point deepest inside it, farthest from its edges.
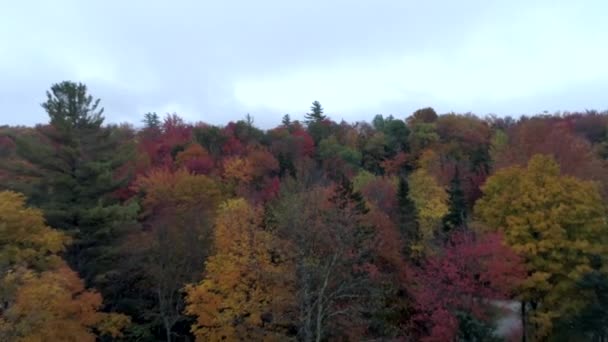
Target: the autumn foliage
(427, 227)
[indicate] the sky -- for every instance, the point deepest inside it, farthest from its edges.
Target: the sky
(216, 61)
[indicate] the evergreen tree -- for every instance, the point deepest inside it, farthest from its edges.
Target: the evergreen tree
(457, 214)
(151, 121)
(316, 113)
(286, 120)
(408, 216)
(74, 170)
(345, 196)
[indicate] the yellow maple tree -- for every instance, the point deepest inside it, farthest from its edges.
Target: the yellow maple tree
(557, 223)
(431, 203)
(245, 294)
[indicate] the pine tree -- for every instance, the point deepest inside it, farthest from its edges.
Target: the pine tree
(457, 213)
(408, 217)
(151, 121)
(316, 113)
(75, 167)
(286, 121)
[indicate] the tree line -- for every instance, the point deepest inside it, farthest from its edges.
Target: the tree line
(405, 229)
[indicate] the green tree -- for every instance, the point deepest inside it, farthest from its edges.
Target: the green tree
(151, 121)
(316, 113)
(457, 212)
(408, 219)
(75, 163)
(286, 121)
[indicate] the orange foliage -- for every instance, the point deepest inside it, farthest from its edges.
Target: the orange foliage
(247, 289)
(238, 169)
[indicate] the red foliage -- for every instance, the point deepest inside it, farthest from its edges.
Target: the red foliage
(548, 136)
(304, 143)
(233, 147)
(200, 165)
(388, 245)
(158, 147)
(468, 273)
(395, 166)
(270, 189)
(175, 131)
(383, 194)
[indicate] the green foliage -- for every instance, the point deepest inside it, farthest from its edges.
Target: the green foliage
(457, 211)
(330, 148)
(77, 165)
(408, 219)
(70, 107)
(362, 179)
(151, 121)
(590, 323)
(316, 113)
(471, 329)
(422, 136)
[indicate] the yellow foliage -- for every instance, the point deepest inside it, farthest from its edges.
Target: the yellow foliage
(54, 306)
(24, 236)
(556, 222)
(431, 203)
(181, 189)
(238, 169)
(42, 298)
(246, 291)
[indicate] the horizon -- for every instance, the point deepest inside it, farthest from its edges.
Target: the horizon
(216, 62)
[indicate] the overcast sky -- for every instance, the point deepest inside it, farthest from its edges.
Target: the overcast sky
(215, 61)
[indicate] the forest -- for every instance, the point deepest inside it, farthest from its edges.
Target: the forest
(413, 227)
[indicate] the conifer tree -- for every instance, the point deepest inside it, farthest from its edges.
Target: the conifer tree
(457, 213)
(286, 121)
(316, 113)
(407, 218)
(74, 167)
(151, 121)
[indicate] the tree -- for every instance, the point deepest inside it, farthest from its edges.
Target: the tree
(548, 136)
(75, 163)
(245, 294)
(408, 219)
(179, 210)
(286, 121)
(592, 321)
(459, 283)
(338, 159)
(151, 122)
(70, 107)
(42, 298)
(422, 135)
(423, 115)
(316, 113)
(431, 204)
(332, 244)
(557, 223)
(456, 216)
(195, 159)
